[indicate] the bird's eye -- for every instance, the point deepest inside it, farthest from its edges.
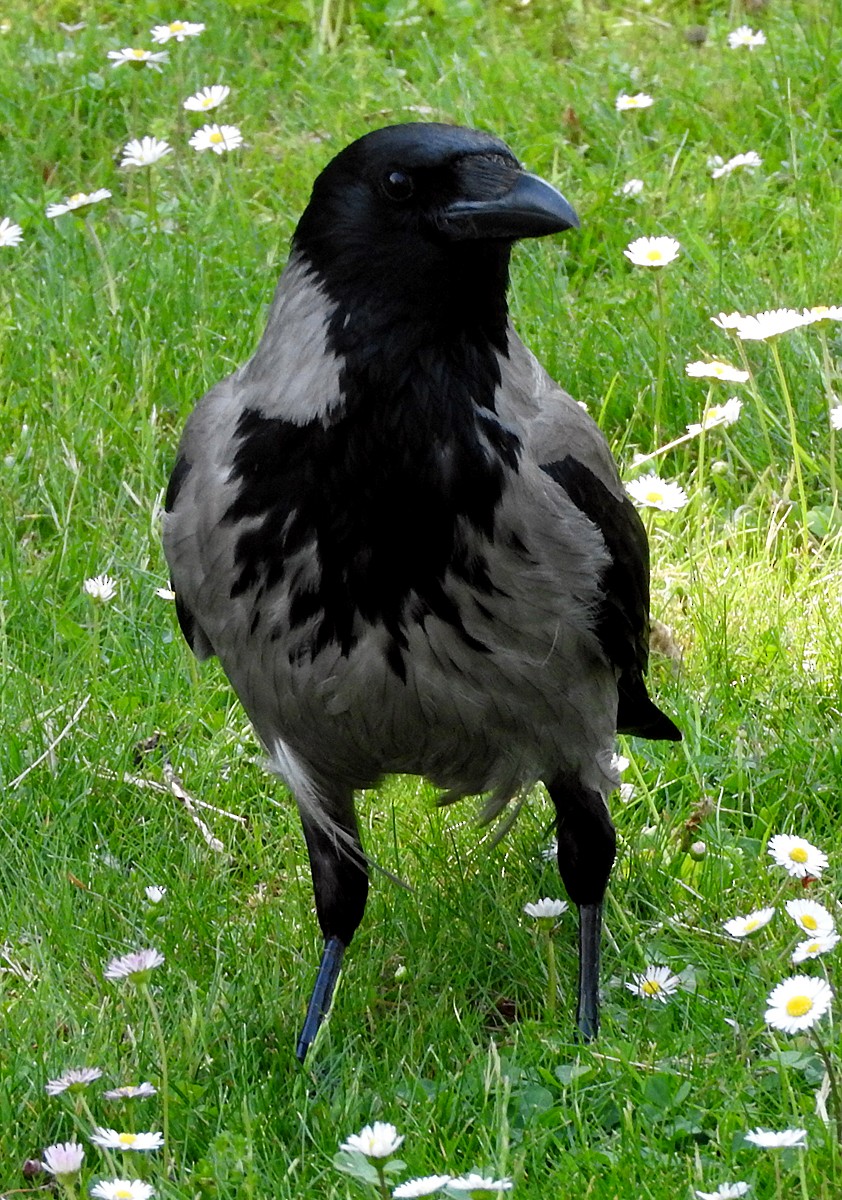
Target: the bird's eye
(398, 185)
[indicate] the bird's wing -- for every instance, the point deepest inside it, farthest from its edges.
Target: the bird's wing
(572, 451)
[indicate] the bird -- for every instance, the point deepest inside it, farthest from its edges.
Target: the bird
(409, 548)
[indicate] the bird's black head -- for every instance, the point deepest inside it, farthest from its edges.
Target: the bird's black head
(419, 220)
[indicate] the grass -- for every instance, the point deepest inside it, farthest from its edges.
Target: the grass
(110, 328)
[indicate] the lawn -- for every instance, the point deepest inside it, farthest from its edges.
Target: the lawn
(116, 316)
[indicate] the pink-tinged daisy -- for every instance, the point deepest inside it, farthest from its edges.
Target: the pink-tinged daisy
(138, 58)
(655, 983)
(112, 1139)
(651, 491)
(797, 856)
(176, 31)
(625, 103)
(821, 943)
(122, 1189)
(218, 138)
(135, 966)
(770, 1140)
(379, 1140)
(798, 1003)
(10, 234)
(143, 152)
(64, 1160)
(78, 203)
(746, 36)
(73, 1080)
(207, 98)
(652, 251)
(740, 927)
(716, 369)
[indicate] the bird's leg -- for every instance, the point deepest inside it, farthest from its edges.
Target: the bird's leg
(586, 849)
(340, 885)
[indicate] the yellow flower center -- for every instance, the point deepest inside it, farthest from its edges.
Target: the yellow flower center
(77, 198)
(650, 987)
(813, 947)
(798, 854)
(207, 102)
(752, 925)
(809, 922)
(216, 138)
(127, 1139)
(139, 53)
(122, 1194)
(654, 496)
(175, 26)
(798, 1006)
(819, 309)
(653, 255)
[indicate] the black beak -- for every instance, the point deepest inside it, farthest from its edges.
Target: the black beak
(530, 207)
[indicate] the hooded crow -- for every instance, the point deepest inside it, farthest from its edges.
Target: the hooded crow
(409, 548)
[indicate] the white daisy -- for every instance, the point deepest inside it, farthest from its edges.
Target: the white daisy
(772, 323)
(632, 187)
(177, 31)
(725, 1191)
(823, 312)
(810, 916)
(652, 251)
(101, 587)
(744, 36)
(218, 138)
(718, 414)
(479, 1185)
(651, 491)
(138, 58)
(10, 234)
(624, 102)
(728, 320)
(78, 201)
(111, 1139)
(771, 1140)
(379, 1140)
(821, 943)
(836, 417)
(797, 856)
(424, 1186)
(135, 966)
(740, 927)
(716, 369)
(64, 1159)
(655, 983)
(797, 1003)
(545, 909)
(143, 152)
(122, 1189)
(131, 1091)
(751, 159)
(207, 97)
(72, 1081)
